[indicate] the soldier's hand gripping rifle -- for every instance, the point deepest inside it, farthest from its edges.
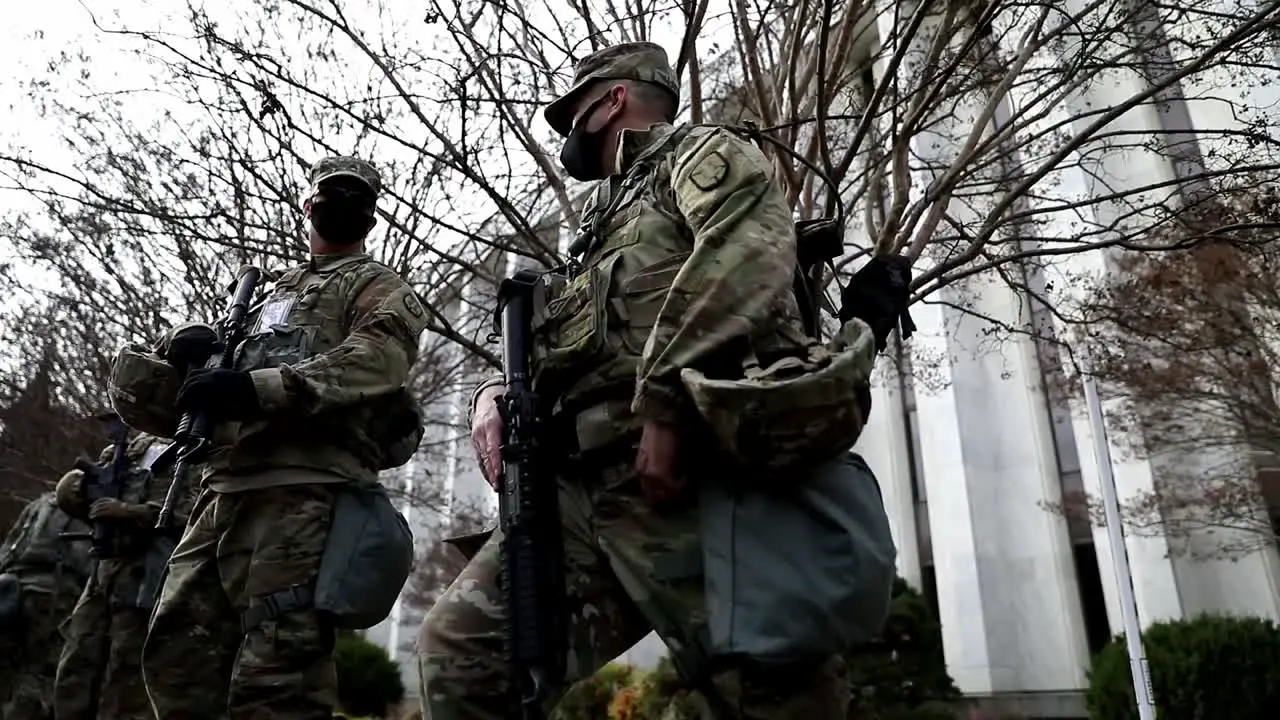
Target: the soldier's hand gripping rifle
(104, 481)
(529, 517)
(194, 429)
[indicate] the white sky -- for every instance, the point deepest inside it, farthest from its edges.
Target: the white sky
(40, 31)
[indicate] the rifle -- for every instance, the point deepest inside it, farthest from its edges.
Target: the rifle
(194, 429)
(532, 577)
(104, 481)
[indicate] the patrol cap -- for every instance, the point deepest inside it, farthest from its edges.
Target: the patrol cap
(643, 61)
(345, 166)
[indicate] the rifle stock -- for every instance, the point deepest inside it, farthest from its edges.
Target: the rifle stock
(529, 517)
(194, 429)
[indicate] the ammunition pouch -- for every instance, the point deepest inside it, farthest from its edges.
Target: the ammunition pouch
(569, 326)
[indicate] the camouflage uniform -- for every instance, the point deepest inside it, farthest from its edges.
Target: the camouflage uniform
(689, 249)
(100, 668)
(329, 353)
(51, 572)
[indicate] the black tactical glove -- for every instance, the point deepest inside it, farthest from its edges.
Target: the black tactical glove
(224, 394)
(878, 295)
(192, 347)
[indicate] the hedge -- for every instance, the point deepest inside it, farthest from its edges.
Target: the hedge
(1210, 666)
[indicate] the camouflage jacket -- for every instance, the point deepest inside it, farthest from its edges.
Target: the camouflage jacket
(689, 257)
(42, 560)
(329, 349)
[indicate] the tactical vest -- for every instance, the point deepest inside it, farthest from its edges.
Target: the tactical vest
(141, 488)
(308, 311)
(591, 332)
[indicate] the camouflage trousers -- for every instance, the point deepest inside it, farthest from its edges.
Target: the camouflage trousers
(240, 548)
(30, 687)
(100, 668)
(629, 569)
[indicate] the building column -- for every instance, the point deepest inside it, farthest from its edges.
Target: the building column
(1165, 586)
(1007, 592)
(884, 445)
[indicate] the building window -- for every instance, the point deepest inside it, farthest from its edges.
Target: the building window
(915, 454)
(910, 422)
(1093, 602)
(929, 588)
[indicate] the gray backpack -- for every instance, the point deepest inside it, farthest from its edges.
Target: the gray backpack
(798, 571)
(367, 559)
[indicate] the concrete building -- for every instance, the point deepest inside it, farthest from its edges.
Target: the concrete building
(968, 458)
(1025, 596)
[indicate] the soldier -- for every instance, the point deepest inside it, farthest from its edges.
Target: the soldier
(100, 668)
(688, 253)
(316, 403)
(41, 575)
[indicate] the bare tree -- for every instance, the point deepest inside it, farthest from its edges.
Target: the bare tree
(944, 128)
(40, 437)
(1185, 345)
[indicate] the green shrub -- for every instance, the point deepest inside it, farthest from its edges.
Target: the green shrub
(659, 688)
(1207, 667)
(369, 680)
(588, 699)
(902, 674)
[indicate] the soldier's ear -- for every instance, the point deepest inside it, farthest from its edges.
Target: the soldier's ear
(617, 98)
(306, 208)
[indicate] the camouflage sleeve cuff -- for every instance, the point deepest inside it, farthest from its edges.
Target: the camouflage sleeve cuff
(269, 384)
(658, 403)
(475, 396)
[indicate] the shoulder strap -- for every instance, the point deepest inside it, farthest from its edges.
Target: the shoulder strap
(291, 276)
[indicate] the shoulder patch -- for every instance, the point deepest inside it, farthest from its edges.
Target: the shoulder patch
(711, 171)
(413, 306)
(403, 302)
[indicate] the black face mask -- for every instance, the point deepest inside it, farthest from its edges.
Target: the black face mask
(341, 218)
(583, 153)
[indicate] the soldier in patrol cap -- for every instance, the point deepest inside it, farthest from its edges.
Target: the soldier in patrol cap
(316, 404)
(688, 250)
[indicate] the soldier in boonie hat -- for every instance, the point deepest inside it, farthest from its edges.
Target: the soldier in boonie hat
(642, 89)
